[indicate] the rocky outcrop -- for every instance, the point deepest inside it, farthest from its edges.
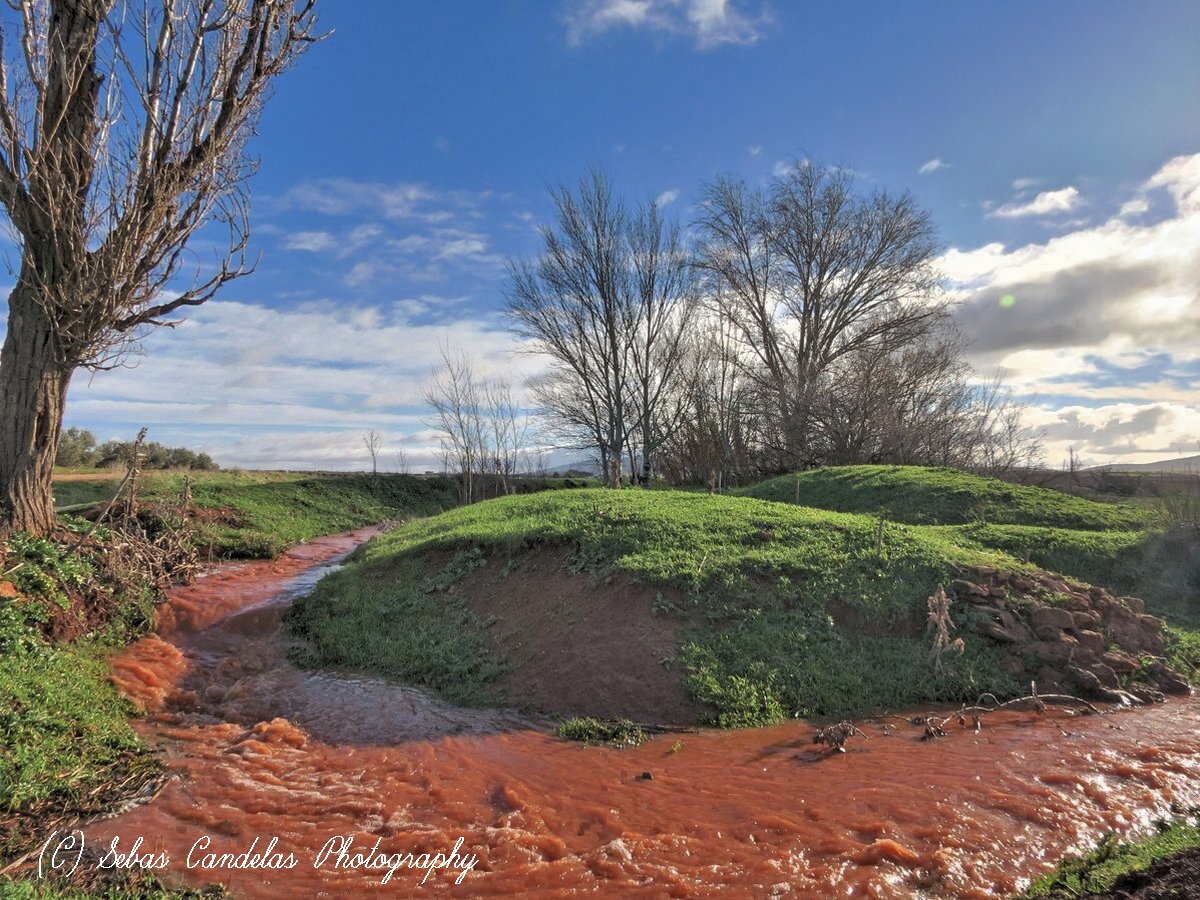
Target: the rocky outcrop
(1069, 636)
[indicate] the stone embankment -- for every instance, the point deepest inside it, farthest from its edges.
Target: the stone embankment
(1069, 636)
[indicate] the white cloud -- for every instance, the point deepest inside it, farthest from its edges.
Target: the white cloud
(755, 150)
(1107, 314)
(1045, 203)
(932, 166)
(1134, 207)
(1024, 184)
(667, 197)
(302, 398)
(709, 23)
(310, 241)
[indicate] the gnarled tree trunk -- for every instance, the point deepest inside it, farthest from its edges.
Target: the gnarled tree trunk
(33, 392)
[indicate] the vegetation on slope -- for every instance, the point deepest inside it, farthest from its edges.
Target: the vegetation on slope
(935, 496)
(791, 610)
(1105, 866)
(67, 747)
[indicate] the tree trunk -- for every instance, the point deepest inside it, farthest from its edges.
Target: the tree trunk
(33, 393)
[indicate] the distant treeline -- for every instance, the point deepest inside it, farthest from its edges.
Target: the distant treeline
(78, 447)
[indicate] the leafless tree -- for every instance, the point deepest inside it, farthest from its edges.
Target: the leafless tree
(373, 441)
(484, 430)
(123, 128)
(402, 465)
(810, 272)
(607, 301)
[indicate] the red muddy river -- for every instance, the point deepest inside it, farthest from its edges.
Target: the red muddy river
(258, 749)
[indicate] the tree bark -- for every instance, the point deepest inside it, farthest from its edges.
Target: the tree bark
(33, 393)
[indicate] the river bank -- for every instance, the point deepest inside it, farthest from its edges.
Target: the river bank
(756, 809)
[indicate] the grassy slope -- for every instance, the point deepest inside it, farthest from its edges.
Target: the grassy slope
(1095, 871)
(762, 644)
(927, 496)
(66, 736)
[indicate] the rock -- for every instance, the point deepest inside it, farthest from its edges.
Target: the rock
(1166, 679)
(1012, 665)
(1133, 637)
(1146, 694)
(966, 589)
(1086, 618)
(1021, 583)
(1056, 653)
(8, 590)
(1079, 602)
(1150, 623)
(1091, 640)
(986, 571)
(1119, 661)
(1014, 634)
(1048, 680)
(1047, 632)
(1107, 676)
(1003, 577)
(1089, 686)
(1137, 604)
(1051, 617)
(997, 592)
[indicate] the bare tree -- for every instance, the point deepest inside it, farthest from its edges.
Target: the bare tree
(123, 127)
(607, 301)
(455, 396)
(664, 299)
(484, 430)
(811, 272)
(402, 465)
(373, 441)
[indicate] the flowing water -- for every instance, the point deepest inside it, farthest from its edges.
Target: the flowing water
(258, 749)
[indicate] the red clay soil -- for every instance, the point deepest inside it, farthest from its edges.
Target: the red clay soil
(578, 647)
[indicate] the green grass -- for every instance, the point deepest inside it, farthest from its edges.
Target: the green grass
(115, 886)
(1096, 871)
(932, 496)
(397, 621)
(762, 642)
(614, 732)
(266, 512)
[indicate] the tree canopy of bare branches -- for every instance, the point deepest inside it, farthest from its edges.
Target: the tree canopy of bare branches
(484, 431)
(607, 300)
(810, 272)
(123, 131)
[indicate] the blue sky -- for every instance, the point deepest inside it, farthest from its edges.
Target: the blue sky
(1057, 146)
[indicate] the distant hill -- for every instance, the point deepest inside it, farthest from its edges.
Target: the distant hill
(1179, 464)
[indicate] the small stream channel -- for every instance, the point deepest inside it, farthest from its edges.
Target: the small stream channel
(259, 750)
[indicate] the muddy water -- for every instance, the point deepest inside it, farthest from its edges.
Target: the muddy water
(260, 750)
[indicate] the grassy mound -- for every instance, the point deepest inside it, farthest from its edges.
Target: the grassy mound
(789, 610)
(930, 496)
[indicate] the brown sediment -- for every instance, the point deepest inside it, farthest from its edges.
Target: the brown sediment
(578, 645)
(261, 750)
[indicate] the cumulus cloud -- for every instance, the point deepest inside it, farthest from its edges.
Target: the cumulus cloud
(1045, 203)
(709, 23)
(310, 378)
(1098, 327)
(932, 166)
(667, 197)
